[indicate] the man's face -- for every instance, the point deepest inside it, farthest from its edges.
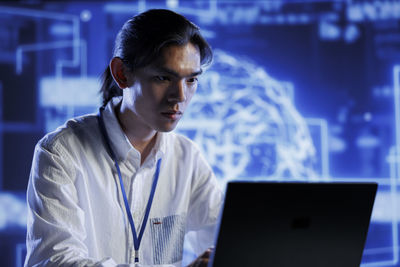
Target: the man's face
(160, 92)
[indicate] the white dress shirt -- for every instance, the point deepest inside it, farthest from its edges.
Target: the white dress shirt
(76, 213)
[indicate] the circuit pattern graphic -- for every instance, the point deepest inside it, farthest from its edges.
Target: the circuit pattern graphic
(247, 124)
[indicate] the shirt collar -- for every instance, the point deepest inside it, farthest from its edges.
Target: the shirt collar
(120, 142)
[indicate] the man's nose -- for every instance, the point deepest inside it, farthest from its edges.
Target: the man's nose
(177, 92)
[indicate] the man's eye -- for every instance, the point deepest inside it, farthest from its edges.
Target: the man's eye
(161, 78)
(192, 80)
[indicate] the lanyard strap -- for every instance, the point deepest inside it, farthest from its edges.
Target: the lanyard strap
(136, 239)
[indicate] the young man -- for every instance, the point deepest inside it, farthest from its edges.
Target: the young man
(118, 187)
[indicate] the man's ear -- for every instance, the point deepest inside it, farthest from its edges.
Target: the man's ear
(118, 72)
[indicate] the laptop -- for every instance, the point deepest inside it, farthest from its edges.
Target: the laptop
(293, 224)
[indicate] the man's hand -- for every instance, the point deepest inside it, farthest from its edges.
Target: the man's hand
(202, 260)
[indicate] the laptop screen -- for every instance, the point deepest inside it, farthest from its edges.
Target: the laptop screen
(293, 224)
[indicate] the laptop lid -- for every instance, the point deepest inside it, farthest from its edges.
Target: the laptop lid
(293, 224)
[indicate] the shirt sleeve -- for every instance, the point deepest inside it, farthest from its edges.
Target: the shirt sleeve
(55, 229)
(205, 203)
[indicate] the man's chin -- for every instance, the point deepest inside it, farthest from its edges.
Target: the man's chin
(167, 128)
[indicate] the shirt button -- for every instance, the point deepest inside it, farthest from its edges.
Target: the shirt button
(132, 259)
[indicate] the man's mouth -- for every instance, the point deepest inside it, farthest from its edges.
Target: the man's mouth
(172, 114)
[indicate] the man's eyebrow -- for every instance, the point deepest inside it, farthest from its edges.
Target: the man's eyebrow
(174, 73)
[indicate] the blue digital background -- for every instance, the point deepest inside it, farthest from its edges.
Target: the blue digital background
(299, 90)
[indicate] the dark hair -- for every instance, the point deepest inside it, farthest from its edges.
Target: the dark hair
(141, 39)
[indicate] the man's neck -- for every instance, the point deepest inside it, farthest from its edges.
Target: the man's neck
(142, 138)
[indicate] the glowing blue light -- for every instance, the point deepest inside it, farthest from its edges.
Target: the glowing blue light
(121, 8)
(66, 95)
(247, 125)
(337, 144)
(304, 18)
(367, 141)
(373, 10)
(324, 144)
(1, 133)
(20, 253)
(394, 195)
(12, 211)
(367, 116)
(396, 88)
(369, 11)
(71, 91)
(35, 48)
(172, 3)
(351, 33)
(86, 15)
(392, 198)
(329, 31)
(354, 13)
(60, 29)
(76, 43)
(383, 208)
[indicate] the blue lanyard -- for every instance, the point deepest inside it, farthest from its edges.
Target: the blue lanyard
(136, 239)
